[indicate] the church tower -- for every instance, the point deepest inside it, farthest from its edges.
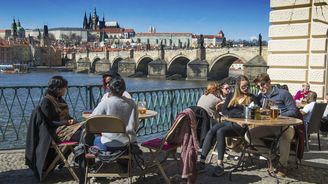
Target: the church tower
(85, 21)
(14, 29)
(90, 22)
(95, 19)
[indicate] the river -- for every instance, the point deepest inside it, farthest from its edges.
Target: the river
(41, 79)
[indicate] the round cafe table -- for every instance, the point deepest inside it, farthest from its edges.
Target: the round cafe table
(142, 117)
(267, 121)
(149, 114)
(281, 121)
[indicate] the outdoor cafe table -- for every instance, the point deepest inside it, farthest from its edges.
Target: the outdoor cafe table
(281, 121)
(149, 114)
(142, 117)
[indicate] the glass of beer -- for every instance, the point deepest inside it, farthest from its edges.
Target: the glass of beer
(274, 112)
(142, 107)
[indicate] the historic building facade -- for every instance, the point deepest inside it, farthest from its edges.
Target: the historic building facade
(297, 51)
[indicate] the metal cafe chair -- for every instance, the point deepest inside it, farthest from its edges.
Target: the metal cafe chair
(313, 126)
(61, 149)
(159, 147)
(106, 124)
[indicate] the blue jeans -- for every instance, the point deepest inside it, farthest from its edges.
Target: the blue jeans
(220, 131)
(103, 147)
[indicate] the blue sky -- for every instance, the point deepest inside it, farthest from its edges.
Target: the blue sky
(239, 19)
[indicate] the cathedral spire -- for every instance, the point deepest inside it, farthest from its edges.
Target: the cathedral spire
(85, 21)
(14, 28)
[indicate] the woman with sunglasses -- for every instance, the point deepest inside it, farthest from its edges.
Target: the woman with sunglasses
(233, 107)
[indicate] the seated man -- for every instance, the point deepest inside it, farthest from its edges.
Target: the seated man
(121, 107)
(324, 120)
(311, 98)
(284, 100)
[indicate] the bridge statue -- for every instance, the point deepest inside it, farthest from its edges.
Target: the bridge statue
(200, 41)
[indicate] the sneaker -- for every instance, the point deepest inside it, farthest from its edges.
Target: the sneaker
(219, 171)
(201, 167)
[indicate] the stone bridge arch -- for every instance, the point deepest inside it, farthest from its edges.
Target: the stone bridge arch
(94, 62)
(142, 64)
(220, 65)
(178, 65)
(115, 63)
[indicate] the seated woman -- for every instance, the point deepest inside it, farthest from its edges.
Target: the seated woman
(107, 77)
(310, 99)
(233, 107)
(121, 107)
(224, 90)
(50, 119)
(213, 99)
(301, 94)
(210, 99)
(61, 125)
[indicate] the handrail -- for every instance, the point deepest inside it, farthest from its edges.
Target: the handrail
(17, 103)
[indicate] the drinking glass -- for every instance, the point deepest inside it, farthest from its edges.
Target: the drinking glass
(142, 107)
(274, 112)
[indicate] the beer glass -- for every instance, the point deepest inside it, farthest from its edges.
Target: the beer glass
(274, 112)
(142, 107)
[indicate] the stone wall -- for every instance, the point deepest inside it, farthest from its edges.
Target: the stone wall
(297, 51)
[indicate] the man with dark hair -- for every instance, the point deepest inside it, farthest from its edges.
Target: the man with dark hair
(284, 100)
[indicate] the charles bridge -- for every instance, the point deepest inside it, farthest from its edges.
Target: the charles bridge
(192, 64)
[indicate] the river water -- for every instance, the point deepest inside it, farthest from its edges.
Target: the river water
(41, 79)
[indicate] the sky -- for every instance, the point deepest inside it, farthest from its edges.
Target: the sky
(238, 19)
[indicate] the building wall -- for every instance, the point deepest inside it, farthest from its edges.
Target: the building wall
(4, 34)
(57, 32)
(157, 37)
(17, 54)
(297, 51)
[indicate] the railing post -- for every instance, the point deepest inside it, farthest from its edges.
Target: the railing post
(89, 91)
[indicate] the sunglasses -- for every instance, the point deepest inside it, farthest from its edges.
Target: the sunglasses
(226, 88)
(244, 87)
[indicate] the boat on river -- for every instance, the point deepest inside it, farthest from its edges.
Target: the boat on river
(14, 68)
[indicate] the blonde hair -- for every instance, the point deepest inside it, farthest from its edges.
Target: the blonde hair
(212, 87)
(237, 94)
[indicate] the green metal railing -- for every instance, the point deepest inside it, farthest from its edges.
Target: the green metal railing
(17, 103)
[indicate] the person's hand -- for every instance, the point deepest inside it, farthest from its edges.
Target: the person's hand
(219, 105)
(242, 125)
(71, 122)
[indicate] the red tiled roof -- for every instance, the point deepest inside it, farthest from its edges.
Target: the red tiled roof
(207, 36)
(163, 34)
(4, 30)
(129, 30)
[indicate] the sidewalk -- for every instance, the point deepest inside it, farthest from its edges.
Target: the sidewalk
(314, 169)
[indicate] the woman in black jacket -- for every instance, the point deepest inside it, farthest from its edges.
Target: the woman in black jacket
(61, 125)
(233, 107)
(49, 120)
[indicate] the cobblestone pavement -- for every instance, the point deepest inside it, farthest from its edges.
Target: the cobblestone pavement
(314, 169)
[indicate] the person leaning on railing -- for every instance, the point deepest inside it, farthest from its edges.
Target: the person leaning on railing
(233, 107)
(285, 102)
